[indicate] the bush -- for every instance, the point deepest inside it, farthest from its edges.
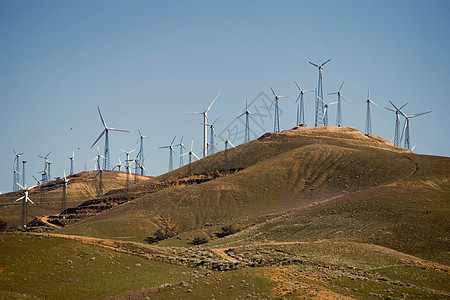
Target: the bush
(200, 240)
(162, 234)
(231, 229)
(3, 224)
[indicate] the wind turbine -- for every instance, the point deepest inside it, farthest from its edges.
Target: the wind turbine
(49, 163)
(276, 125)
(181, 145)
(319, 105)
(105, 132)
(64, 195)
(226, 142)
(71, 162)
(141, 151)
(397, 140)
(119, 165)
(212, 134)
(301, 106)
(16, 169)
(25, 199)
(44, 172)
(205, 126)
(171, 151)
(97, 157)
(127, 160)
(190, 153)
(325, 111)
(406, 127)
(247, 113)
(368, 118)
(40, 188)
(339, 111)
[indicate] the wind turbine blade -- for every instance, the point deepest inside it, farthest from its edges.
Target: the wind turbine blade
(184, 154)
(332, 93)
(98, 150)
(32, 187)
(314, 64)
(416, 115)
(307, 92)
(47, 154)
(193, 112)
(231, 144)
(116, 129)
(283, 96)
(341, 86)
(28, 199)
(20, 198)
(99, 137)
(240, 115)
(273, 92)
(413, 148)
(342, 96)
(213, 102)
(298, 86)
(389, 109)
(172, 140)
(20, 186)
(321, 100)
(273, 102)
(65, 175)
(298, 97)
(333, 103)
(131, 151)
(373, 103)
(324, 112)
(365, 101)
(394, 105)
(195, 156)
(35, 179)
(192, 144)
(325, 63)
(140, 134)
(403, 105)
(101, 117)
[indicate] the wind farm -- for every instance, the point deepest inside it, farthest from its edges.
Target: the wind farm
(126, 174)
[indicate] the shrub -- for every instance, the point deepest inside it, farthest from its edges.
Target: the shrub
(162, 234)
(231, 229)
(198, 240)
(3, 224)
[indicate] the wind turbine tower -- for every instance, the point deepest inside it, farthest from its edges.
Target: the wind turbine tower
(45, 173)
(319, 105)
(205, 126)
(105, 132)
(276, 124)
(71, 162)
(127, 159)
(16, 176)
(23, 172)
(190, 153)
(212, 134)
(247, 114)
(325, 111)
(301, 106)
(227, 142)
(397, 139)
(25, 199)
(181, 145)
(64, 195)
(406, 127)
(49, 163)
(339, 110)
(368, 129)
(171, 151)
(141, 151)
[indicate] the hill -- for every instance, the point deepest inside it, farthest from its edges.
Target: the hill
(308, 213)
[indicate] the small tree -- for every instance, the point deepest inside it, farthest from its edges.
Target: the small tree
(198, 240)
(3, 224)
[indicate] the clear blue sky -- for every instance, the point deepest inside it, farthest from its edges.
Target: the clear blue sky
(146, 62)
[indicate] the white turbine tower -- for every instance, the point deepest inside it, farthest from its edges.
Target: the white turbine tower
(25, 199)
(16, 178)
(212, 134)
(105, 132)
(64, 195)
(71, 162)
(97, 158)
(45, 174)
(190, 153)
(205, 126)
(140, 155)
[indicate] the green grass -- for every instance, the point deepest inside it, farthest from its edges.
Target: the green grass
(38, 266)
